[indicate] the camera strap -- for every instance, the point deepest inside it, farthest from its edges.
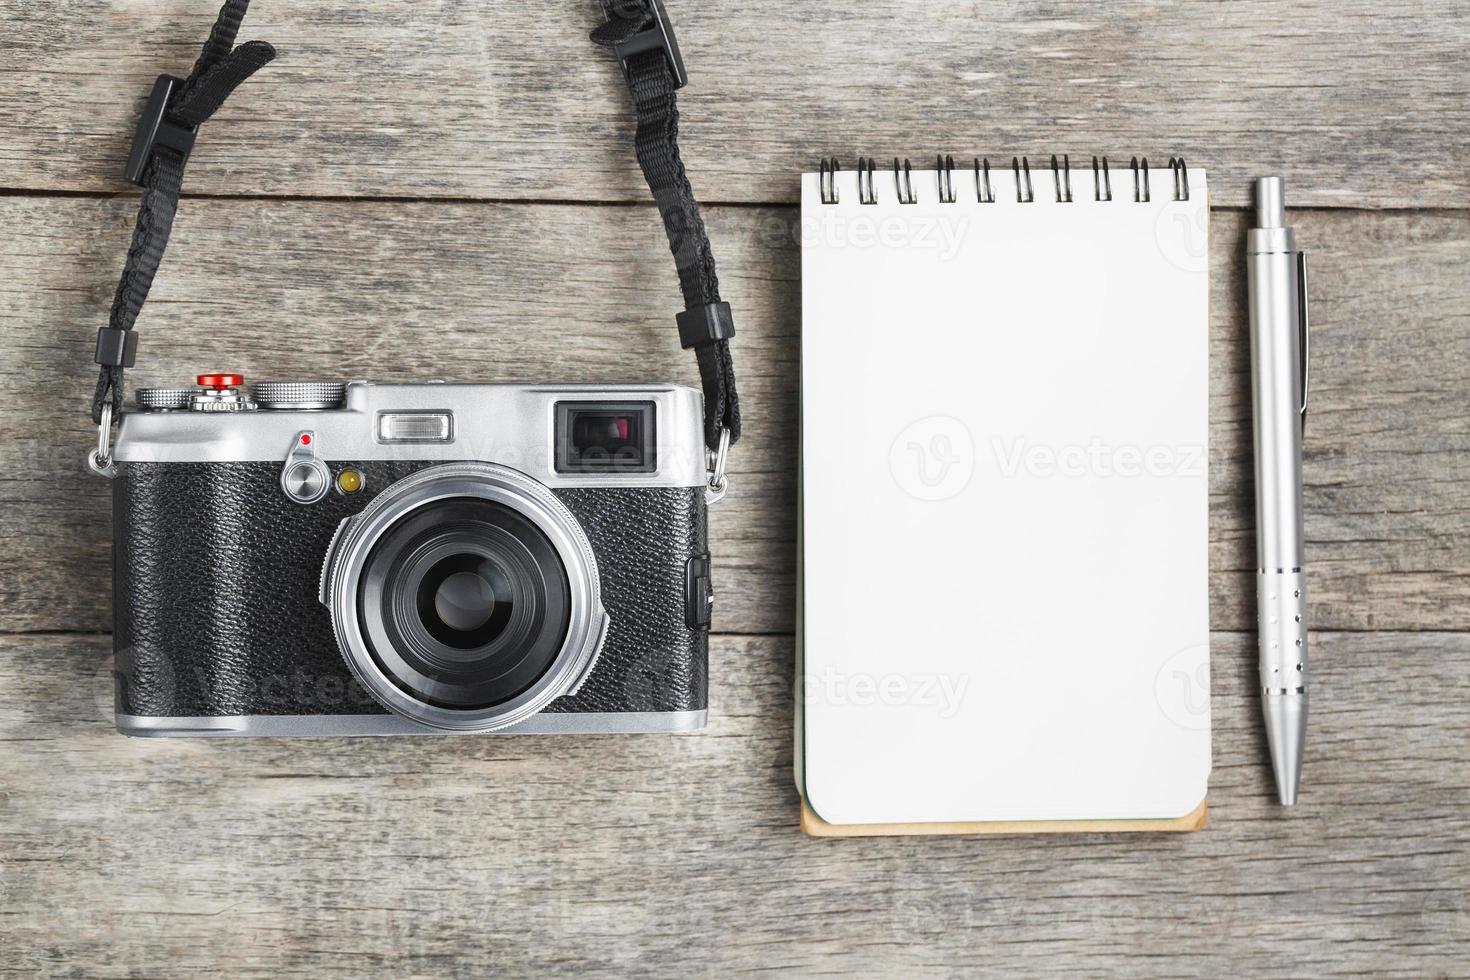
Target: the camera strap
(165, 136)
(638, 32)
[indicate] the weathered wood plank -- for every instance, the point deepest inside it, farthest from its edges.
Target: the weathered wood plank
(486, 292)
(1359, 102)
(671, 856)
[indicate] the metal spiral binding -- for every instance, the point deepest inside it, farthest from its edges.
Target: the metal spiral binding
(1181, 178)
(1102, 181)
(944, 166)
(984, 193)
(1024, 195)
(868, 195)
(1062, 178)
(1141, 193)
(904, 182)
(830, 167)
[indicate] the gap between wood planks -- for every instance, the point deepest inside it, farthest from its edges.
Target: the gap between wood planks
(37, 192)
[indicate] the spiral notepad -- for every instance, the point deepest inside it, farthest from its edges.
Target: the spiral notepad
(1004, 518)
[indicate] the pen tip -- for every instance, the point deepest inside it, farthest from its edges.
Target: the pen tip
(1286, 793)
(1286, 736)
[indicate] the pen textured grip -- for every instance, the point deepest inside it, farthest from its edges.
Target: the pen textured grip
(1282, 600)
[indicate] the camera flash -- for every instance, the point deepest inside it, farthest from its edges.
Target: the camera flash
(349, 481)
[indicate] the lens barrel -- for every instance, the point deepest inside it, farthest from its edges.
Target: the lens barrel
(465, 597)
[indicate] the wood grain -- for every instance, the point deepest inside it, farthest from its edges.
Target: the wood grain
(485, 292)
(672, 856)
(1359, 102)
(678, 856)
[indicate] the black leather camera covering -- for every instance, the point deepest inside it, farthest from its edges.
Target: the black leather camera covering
(217, 577)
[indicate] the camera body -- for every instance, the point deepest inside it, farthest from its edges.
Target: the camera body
(365, 559)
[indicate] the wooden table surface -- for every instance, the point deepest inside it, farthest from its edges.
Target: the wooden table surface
(447, 189)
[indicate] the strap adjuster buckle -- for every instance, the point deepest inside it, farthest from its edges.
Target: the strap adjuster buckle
(657, 35)
(116, 347)
(705, 325)
(156, 129)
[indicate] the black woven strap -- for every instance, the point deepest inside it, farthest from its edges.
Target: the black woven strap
(637, 30)
(160, 151)
(639, 33)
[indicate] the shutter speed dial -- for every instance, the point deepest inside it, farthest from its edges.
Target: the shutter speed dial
(299, 395)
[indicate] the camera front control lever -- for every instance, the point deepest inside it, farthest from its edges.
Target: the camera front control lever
(305, 478)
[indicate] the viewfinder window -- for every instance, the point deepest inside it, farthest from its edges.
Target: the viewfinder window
(598, 437)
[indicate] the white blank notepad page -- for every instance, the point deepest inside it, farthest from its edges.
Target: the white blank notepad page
(1004, 503)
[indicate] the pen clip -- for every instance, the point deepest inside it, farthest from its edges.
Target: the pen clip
(1304, 309)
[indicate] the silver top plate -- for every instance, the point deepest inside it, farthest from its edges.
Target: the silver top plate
(510, 424)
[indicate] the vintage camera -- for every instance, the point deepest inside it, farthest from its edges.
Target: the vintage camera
(312, 558)
(324, 558)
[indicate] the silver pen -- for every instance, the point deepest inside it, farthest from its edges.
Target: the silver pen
(1277, 273)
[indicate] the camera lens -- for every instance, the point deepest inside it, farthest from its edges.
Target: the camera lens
(465, 597)
(465, 603)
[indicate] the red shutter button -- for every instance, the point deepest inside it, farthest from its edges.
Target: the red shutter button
(219, 382)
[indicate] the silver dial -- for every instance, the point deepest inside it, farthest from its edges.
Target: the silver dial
(299, 395)
(220, 400)
(164, 399)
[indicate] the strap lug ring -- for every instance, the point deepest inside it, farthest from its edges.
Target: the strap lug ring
(718, 483)
(100, 460)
